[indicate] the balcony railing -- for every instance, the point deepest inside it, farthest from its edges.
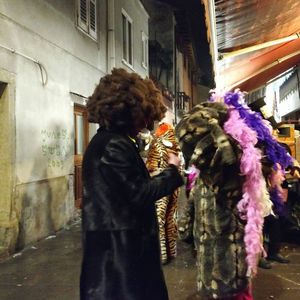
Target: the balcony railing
(182, 101)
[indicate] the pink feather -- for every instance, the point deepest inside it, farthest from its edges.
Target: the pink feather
(250, 206)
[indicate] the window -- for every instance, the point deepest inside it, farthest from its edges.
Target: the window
(87, 17)
(127, 38)
(144, 50)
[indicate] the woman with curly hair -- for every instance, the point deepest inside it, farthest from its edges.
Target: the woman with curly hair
(121, 256)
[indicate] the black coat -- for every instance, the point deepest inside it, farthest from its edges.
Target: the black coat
(121, 259)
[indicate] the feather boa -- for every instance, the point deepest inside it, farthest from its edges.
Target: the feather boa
(276, 192)
(274, 151)
(250, 205)
(254, 204)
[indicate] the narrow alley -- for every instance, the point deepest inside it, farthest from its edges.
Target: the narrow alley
(206, 93)
(49, 270)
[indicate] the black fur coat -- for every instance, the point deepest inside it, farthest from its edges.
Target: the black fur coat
(121, 257)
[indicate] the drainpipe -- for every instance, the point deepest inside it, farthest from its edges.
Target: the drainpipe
(111, 49)
(43, 72)
(175, 76)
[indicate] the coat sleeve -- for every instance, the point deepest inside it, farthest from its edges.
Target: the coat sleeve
(119, 163)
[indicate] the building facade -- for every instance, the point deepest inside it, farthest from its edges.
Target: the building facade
(52, 55)
(173, 61)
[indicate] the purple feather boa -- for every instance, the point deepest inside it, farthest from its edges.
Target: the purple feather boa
(274, 151)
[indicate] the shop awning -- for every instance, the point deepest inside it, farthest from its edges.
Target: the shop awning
(252, 41)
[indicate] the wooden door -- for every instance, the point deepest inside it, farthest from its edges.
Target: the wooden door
(81, 134)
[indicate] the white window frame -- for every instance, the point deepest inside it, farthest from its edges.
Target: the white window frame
(128, 59)
(145, 50)
(87, 23)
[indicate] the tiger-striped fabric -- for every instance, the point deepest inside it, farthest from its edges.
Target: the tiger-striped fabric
(166, 207)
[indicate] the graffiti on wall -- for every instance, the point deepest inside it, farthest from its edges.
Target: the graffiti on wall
(56, 146)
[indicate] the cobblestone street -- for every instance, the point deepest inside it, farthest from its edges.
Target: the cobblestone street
(49, 270)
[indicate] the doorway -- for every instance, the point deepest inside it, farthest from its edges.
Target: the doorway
(8, 220)
(81, 133)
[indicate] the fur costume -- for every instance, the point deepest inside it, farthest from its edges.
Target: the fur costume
(218, 229)
(163, 143)
(120, 231)
(234, 151)
(121, 255)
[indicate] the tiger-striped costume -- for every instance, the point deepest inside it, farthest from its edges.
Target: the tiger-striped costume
(144, 140)
(163, 143)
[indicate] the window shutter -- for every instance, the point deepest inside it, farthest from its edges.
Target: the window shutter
(130, 44)
(124, 25)
(82, 14)
(93, 18)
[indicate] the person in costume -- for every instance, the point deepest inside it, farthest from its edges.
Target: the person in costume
(121, 256)
(144, 139)
(290, 222)
(272, 228)
(218, 231)
(277, 225)
(274, 161)
(164, 142)
(222, 139)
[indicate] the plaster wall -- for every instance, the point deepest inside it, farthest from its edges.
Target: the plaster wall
(72, 62)
(42, 178)
(51, 60)
(44, 208)
(202, 94)
(169, 117)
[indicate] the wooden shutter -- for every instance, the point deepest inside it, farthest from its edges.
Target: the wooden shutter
(93, 19)
(83, 14)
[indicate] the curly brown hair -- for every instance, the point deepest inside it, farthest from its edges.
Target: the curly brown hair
(125, 102)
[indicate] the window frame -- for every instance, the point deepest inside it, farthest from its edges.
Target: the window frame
(145, 50)
(87, 26)
(128, 39)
